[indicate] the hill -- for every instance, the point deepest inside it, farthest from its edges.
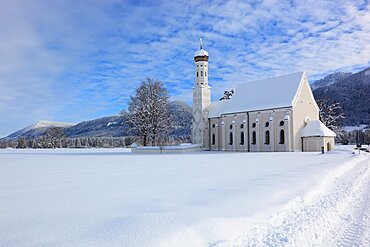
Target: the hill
(112, 126)
(353, 93)
(37, 129)
(329, 79)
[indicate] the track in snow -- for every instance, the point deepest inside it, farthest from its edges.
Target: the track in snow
(358, 231)
(339, 215)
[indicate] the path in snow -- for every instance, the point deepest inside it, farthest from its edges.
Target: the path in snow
(358, 231)
(338, 215)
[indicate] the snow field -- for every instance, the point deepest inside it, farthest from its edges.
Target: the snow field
(114, 198)
(335, 213)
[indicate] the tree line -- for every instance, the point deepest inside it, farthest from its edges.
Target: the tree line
(43, 142)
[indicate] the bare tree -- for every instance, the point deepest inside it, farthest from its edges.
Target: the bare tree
(331, 114)
(148, 114)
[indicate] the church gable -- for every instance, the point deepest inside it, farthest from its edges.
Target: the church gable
(304, 93)
(304, 110)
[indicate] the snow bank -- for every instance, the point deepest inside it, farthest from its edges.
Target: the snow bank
(183, 148)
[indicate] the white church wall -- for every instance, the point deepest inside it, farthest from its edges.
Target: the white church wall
(303, 107)
(214, 134)
(229, 130)
(254, 126)
(241, 126)
(281, 123)
(272, 119)
(315, 144)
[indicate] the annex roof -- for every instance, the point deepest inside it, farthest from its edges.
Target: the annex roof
(276, 92)
(316, 128)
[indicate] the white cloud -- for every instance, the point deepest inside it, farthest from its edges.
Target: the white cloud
(72, 61)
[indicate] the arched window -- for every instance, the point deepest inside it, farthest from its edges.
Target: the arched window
(267, 137)
(201, 73)
(267, 124)
(231, 126)
(282, 137)
(254, 138)
(213, 125)
(231, 138)
(281, 123)
(242, 126)
(213, 139)
(242, 138)
(254, 125)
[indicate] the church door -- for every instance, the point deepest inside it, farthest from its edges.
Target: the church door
(328, 147)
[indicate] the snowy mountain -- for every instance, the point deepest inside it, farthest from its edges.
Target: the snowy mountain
(353, 93)
(329, 79)
(181, 117)
(37, 129)
(112, 126)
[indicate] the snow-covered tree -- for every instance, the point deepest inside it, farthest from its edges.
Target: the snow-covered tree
(331, 114)
(148, 112)
(228, 94)
(21, 143)
(78, 143)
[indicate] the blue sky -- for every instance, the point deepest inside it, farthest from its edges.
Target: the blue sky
(78, 60)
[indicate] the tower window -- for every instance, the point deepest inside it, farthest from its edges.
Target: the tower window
(254, 125)
(197, 73)
(231, 126)
(205, 73)
(267, 137)
(231, 138)
(282, 137)
(281, 123)
(242, 126)
(254, 138)
(213, 139)
(242, 138)
(201, 73)
(213, 125)
(267, 124)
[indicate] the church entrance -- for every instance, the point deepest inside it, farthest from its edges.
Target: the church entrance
(328, 147)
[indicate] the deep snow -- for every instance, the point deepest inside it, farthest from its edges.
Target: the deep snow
(115, 198)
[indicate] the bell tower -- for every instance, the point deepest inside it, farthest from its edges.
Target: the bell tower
(201, 99)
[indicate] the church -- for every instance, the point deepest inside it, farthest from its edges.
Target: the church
(277, 114)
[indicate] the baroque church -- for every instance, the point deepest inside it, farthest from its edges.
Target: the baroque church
(272, 115)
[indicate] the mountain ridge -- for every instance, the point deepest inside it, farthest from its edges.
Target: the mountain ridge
(353, 94)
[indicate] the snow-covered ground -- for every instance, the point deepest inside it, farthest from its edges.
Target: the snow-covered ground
(115, 198)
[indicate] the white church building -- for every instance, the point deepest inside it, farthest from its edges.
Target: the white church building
(272, 115)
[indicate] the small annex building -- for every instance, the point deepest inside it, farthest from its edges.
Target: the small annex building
(275, 114)
(315, 135)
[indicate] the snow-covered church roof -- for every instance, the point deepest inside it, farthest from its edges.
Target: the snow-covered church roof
(316, 128)
(276, 92)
